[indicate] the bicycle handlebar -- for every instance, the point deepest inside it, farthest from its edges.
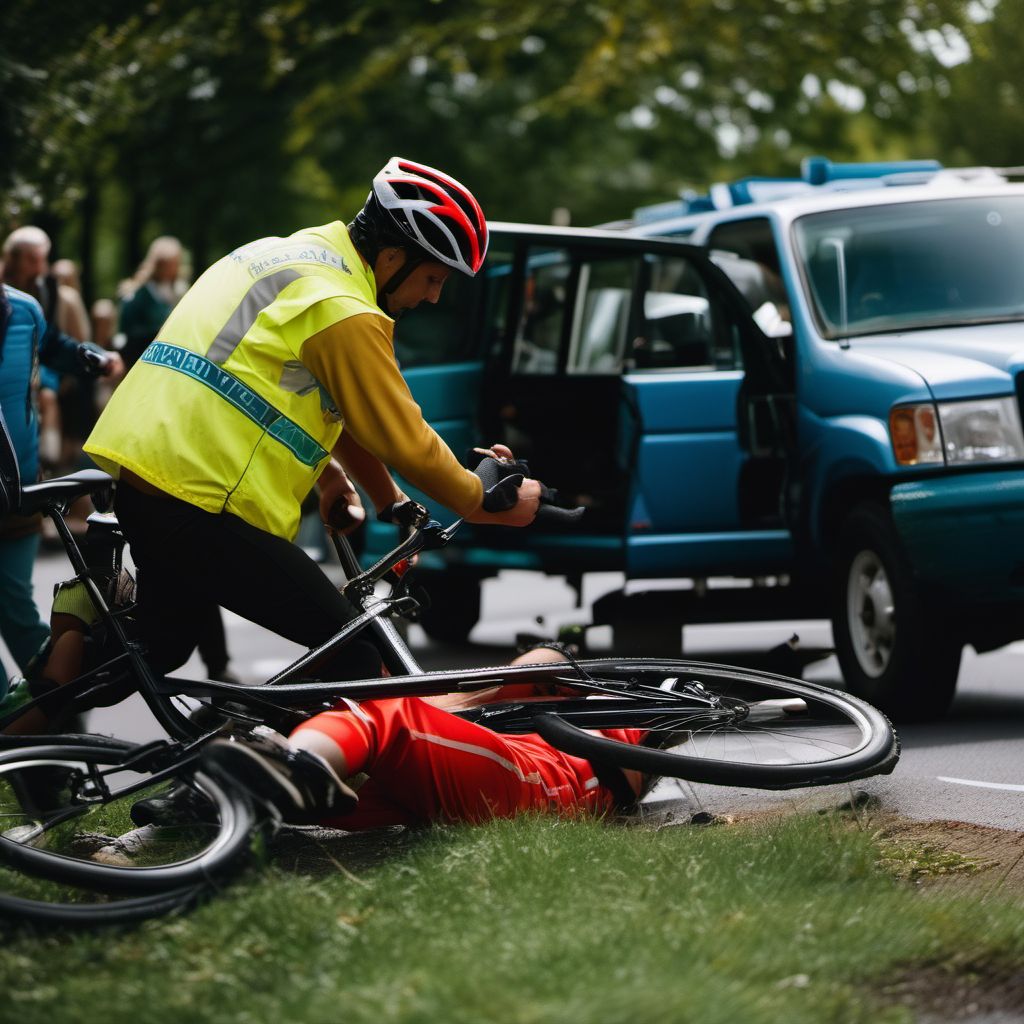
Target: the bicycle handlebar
(501, 479)
(95, 362)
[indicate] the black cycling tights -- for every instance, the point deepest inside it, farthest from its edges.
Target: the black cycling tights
(188, 560)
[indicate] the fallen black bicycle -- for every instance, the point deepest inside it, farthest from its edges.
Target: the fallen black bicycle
(67, 801)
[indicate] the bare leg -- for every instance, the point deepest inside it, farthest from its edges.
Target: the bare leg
(63, 664)
(323, 746)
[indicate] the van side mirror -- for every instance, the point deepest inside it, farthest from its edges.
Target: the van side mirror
(769, 318)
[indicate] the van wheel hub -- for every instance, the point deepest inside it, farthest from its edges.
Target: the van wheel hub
(871, 612)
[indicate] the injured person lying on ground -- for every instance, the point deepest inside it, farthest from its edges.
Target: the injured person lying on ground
(413, 760)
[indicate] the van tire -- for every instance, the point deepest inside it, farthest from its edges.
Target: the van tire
(454, 603)
(896, 651)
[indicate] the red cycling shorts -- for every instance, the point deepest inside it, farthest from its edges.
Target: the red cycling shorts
(426, 764)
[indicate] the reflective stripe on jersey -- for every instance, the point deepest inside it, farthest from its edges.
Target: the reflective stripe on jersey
(533, 778)
(231, 389)
(221, 411)
(257, 298)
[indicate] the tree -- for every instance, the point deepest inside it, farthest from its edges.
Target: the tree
(976, 108)
(238, 119)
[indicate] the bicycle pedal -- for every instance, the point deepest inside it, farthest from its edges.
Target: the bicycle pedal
(179, 805)
(26, 835)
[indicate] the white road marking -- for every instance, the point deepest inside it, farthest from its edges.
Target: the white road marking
(983, 785)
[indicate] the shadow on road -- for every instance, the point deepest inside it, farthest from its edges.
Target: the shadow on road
(973, 718)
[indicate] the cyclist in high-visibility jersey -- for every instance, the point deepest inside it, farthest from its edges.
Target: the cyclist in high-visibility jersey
(275, 372)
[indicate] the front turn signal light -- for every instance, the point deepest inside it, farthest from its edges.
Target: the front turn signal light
(915, 433)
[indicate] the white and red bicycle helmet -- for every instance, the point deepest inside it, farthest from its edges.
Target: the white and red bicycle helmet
(435, 212)
(428, 214)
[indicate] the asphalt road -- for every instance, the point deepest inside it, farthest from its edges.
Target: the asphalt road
(970, 767)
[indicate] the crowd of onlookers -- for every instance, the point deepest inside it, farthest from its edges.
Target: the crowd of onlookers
(51, 409)
(68, 405)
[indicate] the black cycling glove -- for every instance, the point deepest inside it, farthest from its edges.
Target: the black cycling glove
(501, 481)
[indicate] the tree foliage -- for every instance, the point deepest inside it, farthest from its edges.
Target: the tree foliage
(977, 108)
(231, 120)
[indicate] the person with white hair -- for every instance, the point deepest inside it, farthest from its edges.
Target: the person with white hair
(26, 341)
(26, 257)
(26, 254)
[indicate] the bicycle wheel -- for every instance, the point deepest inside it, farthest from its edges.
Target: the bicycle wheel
(715, 724)
(65, 818)
(110, 912)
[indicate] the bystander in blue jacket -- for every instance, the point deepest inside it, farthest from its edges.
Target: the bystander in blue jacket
(25, 342)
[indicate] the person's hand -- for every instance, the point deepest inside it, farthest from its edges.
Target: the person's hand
(500, 452)
(341, 508)
(113, 367)
(522, 513)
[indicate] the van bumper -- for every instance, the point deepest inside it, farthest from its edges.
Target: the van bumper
(965, 533)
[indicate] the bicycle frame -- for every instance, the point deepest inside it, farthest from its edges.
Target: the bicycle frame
(291, 690)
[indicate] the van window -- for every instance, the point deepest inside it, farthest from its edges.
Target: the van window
(538, 339)
(746, 251)
(604, 295)
(590, 313)
(911, 266)
(678, 328)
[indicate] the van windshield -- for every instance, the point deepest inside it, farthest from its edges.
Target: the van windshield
(910, 266)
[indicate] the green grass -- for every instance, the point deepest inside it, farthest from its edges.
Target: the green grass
(530, 921)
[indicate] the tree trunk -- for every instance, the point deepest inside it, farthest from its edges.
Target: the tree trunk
(88, 214)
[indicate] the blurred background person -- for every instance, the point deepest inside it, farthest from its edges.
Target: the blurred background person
(103, 316)
(26, 255)
(74, 320)
(150, 294)
(76, 395)
(26, 341)
(27, 268)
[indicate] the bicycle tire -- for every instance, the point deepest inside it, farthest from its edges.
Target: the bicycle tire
(234, 822)
(108, 743)
(794, 734)
(89, 915)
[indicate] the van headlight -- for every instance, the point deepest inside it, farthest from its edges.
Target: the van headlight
(983, 431)
(957, 433)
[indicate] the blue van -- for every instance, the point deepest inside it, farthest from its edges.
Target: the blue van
(810, 386)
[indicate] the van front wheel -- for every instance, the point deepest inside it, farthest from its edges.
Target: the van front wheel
(896, 651)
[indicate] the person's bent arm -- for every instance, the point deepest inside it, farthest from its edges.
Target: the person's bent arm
(63, 353)
(336, 488)
(354, 361)
(368, 471)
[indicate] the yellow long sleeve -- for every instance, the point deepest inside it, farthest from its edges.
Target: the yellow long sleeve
(354, 361)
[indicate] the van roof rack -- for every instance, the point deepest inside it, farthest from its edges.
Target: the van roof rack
(818, 173)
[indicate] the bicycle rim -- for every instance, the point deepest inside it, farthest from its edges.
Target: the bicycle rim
(59, 825)
(751, 729)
